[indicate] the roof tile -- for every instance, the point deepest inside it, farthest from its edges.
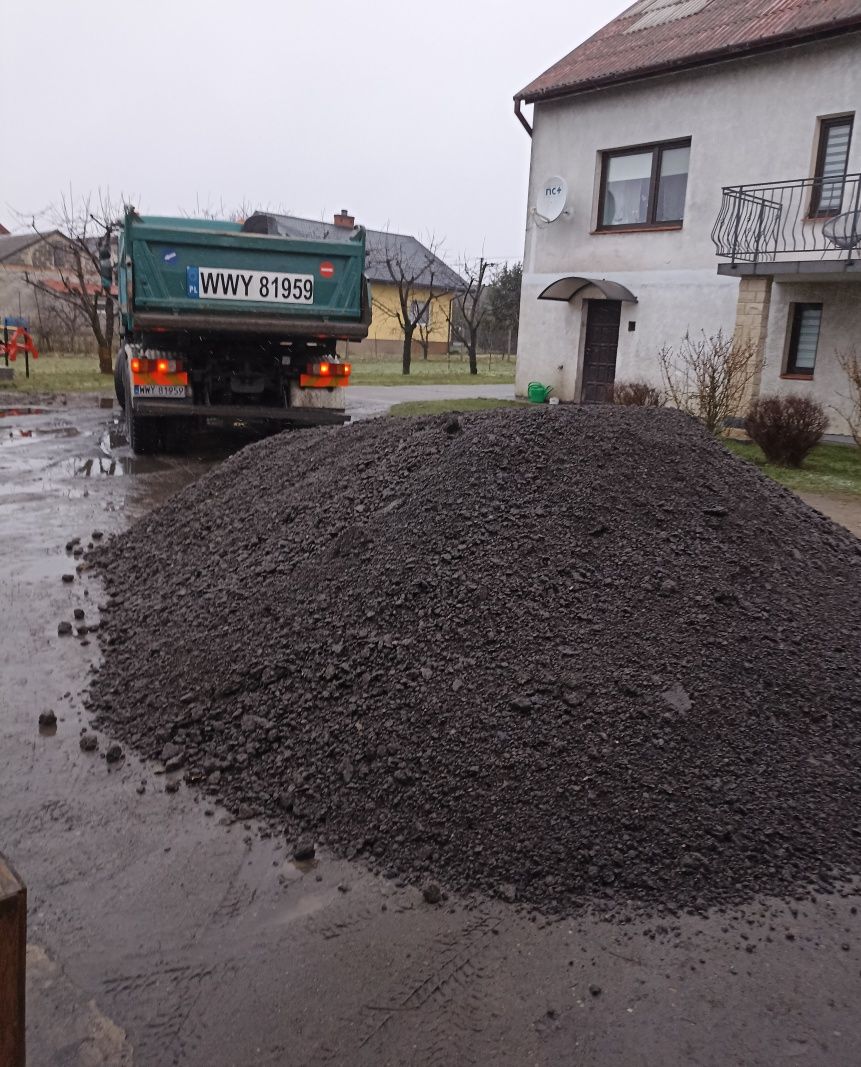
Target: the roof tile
(415, 258)
(653, 36)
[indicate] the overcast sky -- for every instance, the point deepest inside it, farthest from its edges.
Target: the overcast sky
(399, 112)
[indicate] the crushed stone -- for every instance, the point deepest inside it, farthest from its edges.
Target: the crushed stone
(557, 656)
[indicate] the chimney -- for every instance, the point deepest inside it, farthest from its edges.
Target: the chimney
(345, 220)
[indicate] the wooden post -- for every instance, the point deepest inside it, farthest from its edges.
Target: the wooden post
(13, 954)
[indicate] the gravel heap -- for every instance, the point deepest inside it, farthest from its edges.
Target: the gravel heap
(557, 655)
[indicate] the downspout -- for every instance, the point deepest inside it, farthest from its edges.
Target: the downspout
(521, 118)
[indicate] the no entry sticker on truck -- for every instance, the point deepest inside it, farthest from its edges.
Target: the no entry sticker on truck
(273, 287)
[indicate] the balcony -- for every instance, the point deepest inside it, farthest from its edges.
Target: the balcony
(810, 227)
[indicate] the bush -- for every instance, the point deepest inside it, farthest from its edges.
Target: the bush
(710, 377)
(785, 427)
(637, 395)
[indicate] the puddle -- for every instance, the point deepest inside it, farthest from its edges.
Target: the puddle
(307, 904)
(93, 467)
(57, 431)
(59, 428)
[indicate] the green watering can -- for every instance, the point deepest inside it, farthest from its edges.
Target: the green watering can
(538, 393)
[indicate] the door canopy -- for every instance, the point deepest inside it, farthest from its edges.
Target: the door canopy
(568, 288)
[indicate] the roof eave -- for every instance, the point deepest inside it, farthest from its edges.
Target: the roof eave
(705, 59)
(21, 248)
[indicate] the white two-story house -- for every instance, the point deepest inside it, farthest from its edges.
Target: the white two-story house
(695, 168)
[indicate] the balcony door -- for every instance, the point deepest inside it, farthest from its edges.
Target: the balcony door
(599, 354)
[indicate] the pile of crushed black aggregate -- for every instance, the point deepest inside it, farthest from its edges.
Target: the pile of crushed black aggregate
(562, 656)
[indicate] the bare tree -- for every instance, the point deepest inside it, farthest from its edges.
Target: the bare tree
(850, 364)
(79, 237)
(219, 213)
(423, 328)
(59, 325)
(504, 293)
(413, 271)
(711, 378)
(469, 308)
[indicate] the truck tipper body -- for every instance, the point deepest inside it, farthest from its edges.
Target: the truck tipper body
(236, 321)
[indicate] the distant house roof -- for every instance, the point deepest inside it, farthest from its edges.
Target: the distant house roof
(3, 230)
(658, 36)
(58, 286)
(13, 243)
(409, 252)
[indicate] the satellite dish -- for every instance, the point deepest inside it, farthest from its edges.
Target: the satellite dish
(552, 197)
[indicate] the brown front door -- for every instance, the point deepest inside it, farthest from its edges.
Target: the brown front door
(599, 356)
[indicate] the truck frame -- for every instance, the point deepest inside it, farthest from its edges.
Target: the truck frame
(233, 321)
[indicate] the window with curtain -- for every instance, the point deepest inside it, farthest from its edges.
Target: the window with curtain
(644, 187)
(804, 339)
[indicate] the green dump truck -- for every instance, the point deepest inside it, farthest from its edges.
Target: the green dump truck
(233, 321)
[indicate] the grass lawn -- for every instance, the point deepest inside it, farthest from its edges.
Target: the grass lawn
(437, 370)
(828, 468)
(60, 374)
(440, 407)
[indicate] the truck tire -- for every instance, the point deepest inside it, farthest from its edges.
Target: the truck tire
(120, 378)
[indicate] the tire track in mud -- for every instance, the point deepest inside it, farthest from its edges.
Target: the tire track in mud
(173, 1028)
(335, 922)
(439, 1002)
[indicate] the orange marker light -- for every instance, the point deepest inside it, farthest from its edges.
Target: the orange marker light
(162, 366)
(325, 368)
(136, 366)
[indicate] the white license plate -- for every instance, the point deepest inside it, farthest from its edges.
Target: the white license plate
(161, 390)
(266, 286)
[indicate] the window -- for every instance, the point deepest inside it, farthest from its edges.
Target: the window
(804, 339)
(644, 187)
(420, 313)
(832, 160)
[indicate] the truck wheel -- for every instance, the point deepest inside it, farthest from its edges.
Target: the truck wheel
(119, 378)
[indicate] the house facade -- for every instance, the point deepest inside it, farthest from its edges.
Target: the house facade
(702, 161)
(395, 264)
(36, 271)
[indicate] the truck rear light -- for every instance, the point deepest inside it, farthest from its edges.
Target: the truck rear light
(159, 365)
(327, 370)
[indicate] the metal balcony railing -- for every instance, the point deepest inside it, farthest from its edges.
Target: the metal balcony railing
(805, 219)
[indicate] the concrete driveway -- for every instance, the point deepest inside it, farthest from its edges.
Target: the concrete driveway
(162, 931)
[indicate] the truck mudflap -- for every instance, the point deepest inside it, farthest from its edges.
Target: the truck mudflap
(298, 416)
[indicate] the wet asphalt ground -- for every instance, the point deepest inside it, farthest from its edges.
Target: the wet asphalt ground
(162, 932)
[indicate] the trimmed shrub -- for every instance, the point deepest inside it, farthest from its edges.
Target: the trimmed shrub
(785, 427)
(637, 395)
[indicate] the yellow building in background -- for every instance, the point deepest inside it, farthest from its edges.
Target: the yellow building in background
(396, 263)
(386, 337)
